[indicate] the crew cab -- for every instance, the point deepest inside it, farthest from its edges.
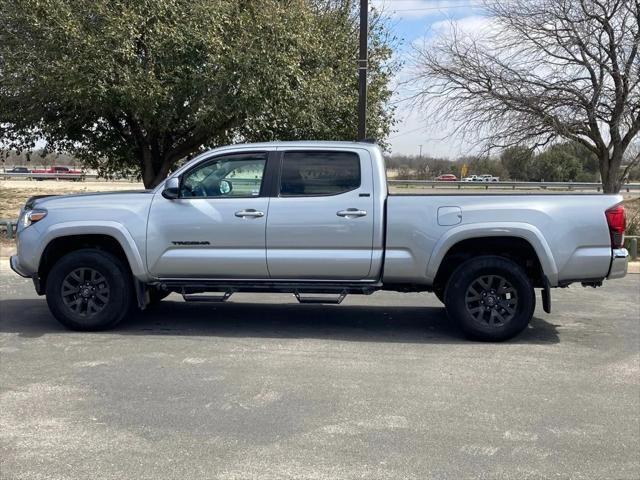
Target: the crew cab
(314, 219)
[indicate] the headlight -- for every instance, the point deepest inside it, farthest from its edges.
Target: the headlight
(33, 216)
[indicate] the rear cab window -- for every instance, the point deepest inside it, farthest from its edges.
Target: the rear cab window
(318, 173)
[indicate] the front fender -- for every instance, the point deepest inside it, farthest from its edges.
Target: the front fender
(524, 231)
(113, 229)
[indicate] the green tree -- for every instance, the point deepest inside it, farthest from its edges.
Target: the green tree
(588, 162)
(555, 164)
(137, 86)
(546, 70)
(517, 162)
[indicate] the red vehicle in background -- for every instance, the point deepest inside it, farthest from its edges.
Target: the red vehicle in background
(59, 172)
(447, 177)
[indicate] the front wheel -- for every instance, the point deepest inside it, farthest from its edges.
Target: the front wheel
(491, 298)
(89, 290)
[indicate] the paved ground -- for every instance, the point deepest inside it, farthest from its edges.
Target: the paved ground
(378, 388)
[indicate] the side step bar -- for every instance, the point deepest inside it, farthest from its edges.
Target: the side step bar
(207, 298)
(191, 286)
(318, 299)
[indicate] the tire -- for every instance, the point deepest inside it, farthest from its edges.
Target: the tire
(89, 290)
(491, 298)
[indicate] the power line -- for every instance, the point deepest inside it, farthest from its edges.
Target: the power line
(386, 4)
(405, 133)
(447, 7)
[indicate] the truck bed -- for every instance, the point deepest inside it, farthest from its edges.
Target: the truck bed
(568, 232)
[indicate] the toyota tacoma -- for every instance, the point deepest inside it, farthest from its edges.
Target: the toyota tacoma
(314, 219)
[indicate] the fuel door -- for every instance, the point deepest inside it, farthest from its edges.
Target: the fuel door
(449, 216)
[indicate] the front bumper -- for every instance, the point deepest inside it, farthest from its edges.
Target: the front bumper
(619, 263)
(14, 261)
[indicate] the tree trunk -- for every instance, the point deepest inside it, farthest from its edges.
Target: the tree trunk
(611, 174)
(154, 168)
(610, 185)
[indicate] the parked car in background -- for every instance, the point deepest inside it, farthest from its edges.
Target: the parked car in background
(19, 170)
(447, 177)
(60, 171)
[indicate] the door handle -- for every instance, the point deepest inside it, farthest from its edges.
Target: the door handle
(351, 213)
(250, 213)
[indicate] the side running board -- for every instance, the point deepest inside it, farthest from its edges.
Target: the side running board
(321, 298)
(207, 298)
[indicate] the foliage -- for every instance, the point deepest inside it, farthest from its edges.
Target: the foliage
(545, 70)
(562, 162)
(633, 222)
(554, 166)
(134, 87)
(516, 161)
(37, 158)
(481, 165)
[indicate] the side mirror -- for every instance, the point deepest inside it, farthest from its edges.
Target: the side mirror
(225, 187)
(171, 189)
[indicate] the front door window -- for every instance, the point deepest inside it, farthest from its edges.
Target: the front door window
(230, 176)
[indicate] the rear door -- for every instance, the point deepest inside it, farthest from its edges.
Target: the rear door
(320, 224)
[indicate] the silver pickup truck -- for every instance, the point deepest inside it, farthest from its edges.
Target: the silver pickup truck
(314, 219)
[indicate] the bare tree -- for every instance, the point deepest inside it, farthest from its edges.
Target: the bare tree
(544, 70)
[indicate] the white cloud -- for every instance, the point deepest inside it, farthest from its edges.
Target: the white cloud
(474, 25)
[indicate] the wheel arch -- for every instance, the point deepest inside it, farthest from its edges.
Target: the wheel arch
(521, 243)
(114, 239)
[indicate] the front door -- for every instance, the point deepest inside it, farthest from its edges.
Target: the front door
(216, 228)
(320, 223)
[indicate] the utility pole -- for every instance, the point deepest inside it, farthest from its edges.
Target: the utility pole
(420, 151)
(362, 69)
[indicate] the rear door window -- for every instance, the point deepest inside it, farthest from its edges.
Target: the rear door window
(319, 173)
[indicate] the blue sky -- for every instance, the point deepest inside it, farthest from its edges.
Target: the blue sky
(419, 21)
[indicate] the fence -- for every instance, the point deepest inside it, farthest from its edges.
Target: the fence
(560, 186)
(77, 177)
(9, 225)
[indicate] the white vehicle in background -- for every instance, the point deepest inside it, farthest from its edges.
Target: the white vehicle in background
(488, 178)
(472, 178)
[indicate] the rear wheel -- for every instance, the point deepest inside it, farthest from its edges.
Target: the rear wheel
(490, 297)
(89, 290)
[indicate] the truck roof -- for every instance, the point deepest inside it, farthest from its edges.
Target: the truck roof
(305, 144)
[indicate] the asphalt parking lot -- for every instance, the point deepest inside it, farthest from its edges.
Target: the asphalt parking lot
(380, 387)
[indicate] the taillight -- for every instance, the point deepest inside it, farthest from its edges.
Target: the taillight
(617, 221)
